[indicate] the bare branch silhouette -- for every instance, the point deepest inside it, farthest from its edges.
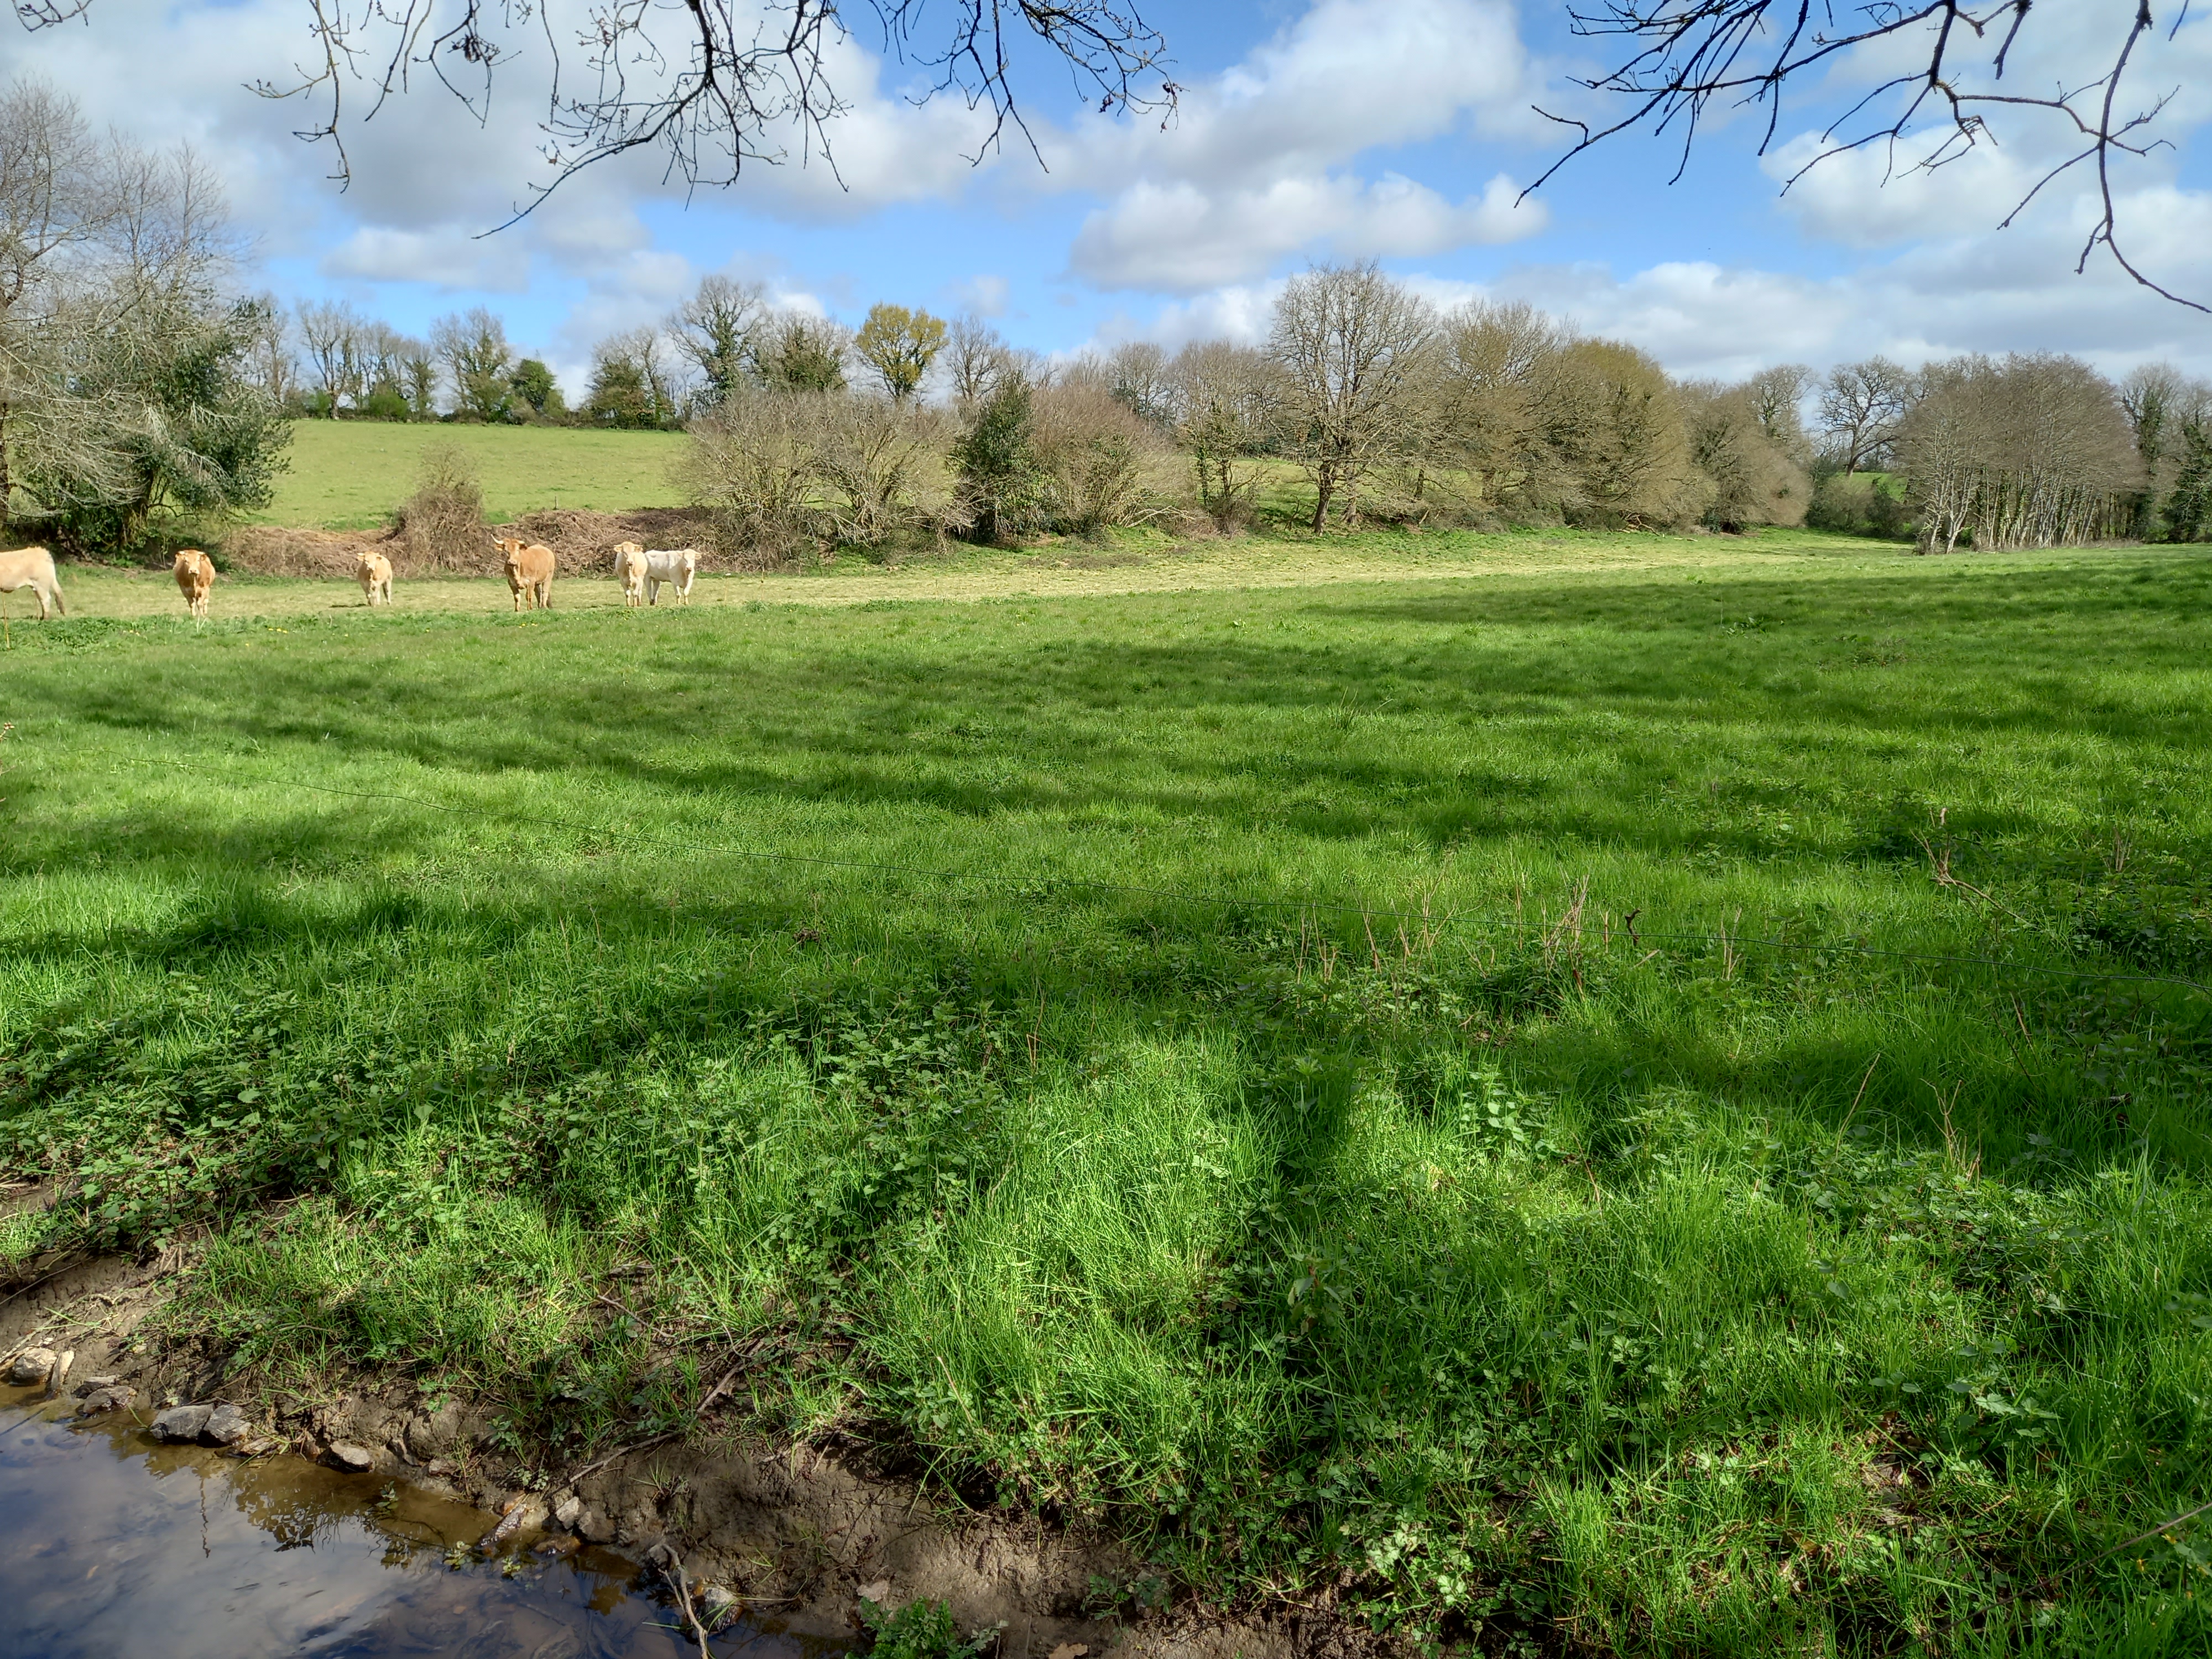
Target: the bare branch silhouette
(1684, 55)
(712, 85)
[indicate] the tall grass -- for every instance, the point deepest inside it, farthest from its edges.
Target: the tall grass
(1464, 1103)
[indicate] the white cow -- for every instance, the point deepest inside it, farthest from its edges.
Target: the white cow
(675, 566)
(629, 571)
(32, 567)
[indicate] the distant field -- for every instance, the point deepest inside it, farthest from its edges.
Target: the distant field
(348, 474)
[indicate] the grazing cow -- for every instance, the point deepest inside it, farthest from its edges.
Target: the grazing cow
(629, 571)
(374, 572)
(675, 566)
(529, 571)
(194, 576)
(32, 567)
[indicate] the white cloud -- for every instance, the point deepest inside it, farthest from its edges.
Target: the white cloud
(448, 260)
(1180, 236)
(985, 295)
(1254, 167)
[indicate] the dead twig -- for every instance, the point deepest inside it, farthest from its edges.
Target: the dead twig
(614, 1456)
(671, 1567)
(1857, 1098)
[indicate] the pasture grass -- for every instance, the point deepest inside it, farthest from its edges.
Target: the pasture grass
(1460, 1097)
(350, 475)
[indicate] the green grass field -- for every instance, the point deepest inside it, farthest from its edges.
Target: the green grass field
(348, 475)
(1452, 1088)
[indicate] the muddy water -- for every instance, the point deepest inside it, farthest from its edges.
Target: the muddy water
(112, 1545)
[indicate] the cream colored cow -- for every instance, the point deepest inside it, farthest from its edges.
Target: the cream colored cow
(32, 567)
(529, 571)
(629, 571)
(195, 577)
(374, 572)
(672, 566)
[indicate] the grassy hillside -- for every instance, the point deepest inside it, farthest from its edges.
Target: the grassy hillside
(1649, 1109)
(348, 475)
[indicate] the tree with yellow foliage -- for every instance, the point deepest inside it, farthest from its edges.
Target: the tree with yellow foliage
(898, 346)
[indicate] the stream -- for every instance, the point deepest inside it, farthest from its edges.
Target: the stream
(113, 1546)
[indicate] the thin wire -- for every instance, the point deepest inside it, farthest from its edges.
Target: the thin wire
(1450, 920)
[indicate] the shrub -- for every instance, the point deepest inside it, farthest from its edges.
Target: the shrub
(878, 471)
(443, 521)
(1001, 487)
(751, 464)
(1092, 454)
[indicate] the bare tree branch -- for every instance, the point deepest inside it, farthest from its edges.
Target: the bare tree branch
(1682, 56)
(712, 85)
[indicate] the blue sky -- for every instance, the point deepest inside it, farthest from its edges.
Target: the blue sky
(1311, 129)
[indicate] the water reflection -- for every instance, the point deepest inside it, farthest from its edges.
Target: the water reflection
(111, 1545)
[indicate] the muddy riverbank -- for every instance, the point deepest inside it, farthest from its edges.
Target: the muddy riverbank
(787, 1538)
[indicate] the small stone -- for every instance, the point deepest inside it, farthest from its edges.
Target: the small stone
(117, 1399)
(181, 1422)
(569, 1512)
(226, 1427)
(260, 1446)
(92, 1385)
(32, 1365)
(595, 1528)
(444, 1468)
(354, 1459)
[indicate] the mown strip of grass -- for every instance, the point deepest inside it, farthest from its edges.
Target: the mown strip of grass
(1402, 1227)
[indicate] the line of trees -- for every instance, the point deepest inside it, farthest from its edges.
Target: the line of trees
(2024, 451)
(135, 384)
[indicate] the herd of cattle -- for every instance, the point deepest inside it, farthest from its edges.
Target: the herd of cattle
(642, 571)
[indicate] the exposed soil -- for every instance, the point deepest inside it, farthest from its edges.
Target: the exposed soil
(582, 542)
(797, 1532)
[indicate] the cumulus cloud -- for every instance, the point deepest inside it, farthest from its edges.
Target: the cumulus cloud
(985, 295)
(1256, 165)
(1180, 236)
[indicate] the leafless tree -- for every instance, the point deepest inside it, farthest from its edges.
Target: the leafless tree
(1614, 431)
(1776, 397)
(716, 331)
(1099, 462)
(1230, 402)
(269, 358)
(1680, 58)
(2031, 451)
(1489, 386)
(1747, 443)
(973, 360)
(1355, 349)
(330, 330)
(1861, 405)
(478, 362)
(752, 464)
(877, 468)
(1139, 373)
(52, 203)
